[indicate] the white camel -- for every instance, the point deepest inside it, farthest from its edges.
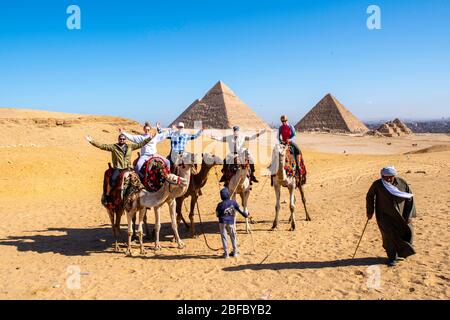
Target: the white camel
(143, 200)
(281, 179)
(184, 166)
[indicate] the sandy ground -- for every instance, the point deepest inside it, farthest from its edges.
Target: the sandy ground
(54, 227)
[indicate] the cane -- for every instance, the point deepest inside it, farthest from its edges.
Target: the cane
(367, 222)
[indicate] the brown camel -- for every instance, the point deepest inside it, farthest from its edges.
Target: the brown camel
(197, 182)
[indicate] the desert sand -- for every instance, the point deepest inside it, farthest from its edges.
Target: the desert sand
(53, 222)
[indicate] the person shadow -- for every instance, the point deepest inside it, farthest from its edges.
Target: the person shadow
(300, 265)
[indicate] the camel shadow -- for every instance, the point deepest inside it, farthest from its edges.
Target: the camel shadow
(368, 261)
(84, 242)
(73, 242)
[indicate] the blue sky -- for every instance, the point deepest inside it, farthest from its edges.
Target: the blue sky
(151, 59)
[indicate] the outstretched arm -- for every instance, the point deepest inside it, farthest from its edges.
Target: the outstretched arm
(133, 138)
(102, 146)
(236, 206)
(253, 137)
(221, 139)
(195, 136)
(135, 146)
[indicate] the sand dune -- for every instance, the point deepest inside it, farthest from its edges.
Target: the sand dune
(53, 223)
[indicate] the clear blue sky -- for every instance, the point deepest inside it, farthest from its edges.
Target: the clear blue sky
(151, 59)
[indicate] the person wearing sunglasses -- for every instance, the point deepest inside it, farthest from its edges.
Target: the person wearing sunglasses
(120, 155)
(286, 135)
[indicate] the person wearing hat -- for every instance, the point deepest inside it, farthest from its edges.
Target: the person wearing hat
(236, 144)
(150, 149)
(286, 135)
(178, 140)
(120, 154)
(391, 198)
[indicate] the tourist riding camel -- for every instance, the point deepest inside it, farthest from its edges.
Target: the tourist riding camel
(286, 135)
(121, 158)
(178, 142)
(283, 175)
(236, 145)
(150, 149)
(392, 201)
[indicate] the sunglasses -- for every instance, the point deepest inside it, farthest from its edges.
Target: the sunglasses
(122, 139)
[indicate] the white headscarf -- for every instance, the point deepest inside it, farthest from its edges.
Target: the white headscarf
(390, 171)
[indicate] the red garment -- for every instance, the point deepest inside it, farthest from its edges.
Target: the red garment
(286, 132)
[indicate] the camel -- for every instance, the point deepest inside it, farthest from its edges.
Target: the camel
(197, 182)
(142, 200)
(281, 179)
(184, 170)
(240, 184)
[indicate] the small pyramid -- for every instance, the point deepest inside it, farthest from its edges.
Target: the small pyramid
(220, 108)
(330, 114)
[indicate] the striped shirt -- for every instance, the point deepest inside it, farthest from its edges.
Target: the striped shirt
(179, 140)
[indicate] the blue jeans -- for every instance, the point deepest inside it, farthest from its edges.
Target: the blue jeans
(224, 228)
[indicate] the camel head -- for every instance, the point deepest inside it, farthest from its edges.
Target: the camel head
(211, 160)
(173, 179)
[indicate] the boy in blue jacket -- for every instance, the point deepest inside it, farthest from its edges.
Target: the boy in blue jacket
(226, 212)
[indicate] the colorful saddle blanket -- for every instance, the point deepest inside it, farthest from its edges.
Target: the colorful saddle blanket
(155, 172)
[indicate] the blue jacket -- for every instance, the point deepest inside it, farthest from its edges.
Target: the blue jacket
(226, 210)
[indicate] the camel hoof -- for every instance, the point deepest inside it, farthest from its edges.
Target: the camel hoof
(308, 219)
(195, 236)
(157, 247)
(252, 221)
(292, 229)
(181, 245)
(274, 229)
(128, 253)
(143, 252)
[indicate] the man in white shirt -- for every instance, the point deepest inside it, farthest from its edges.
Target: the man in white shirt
(236, 144)
(150, 149)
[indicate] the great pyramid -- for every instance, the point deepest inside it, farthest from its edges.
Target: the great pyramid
(330, 115)
(220, 108)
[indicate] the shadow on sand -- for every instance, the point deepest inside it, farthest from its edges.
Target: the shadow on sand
(309, 264)
(82, 242)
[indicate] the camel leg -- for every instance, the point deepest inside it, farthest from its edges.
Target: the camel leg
(134, 237)
(244, 199)
(142, 213)
(173, 218)
(130, 216)
(277, 188)
(113, 227)
(194, 200)
(292, 207)
(308, 218)
(157, 228)
(179, 210)
(147, 229)
(117, 227)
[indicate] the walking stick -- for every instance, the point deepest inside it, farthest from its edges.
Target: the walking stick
(367, 222)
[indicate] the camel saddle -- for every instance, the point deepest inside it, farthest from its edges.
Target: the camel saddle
(230, 169)
(115, 200)
(155, 172)
(290, 166)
